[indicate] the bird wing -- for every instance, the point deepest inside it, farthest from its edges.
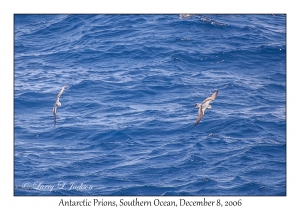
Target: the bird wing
(212, 97)
(54, 112)
(200, 115)
(61, 92)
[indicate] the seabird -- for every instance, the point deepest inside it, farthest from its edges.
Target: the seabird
(204, 105)
(185, 15)
(57, 103)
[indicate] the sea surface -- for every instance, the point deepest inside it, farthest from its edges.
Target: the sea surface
(126, 123)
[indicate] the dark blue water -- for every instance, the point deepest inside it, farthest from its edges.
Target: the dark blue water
(125, 126)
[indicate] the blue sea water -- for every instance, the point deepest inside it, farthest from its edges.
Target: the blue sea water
(126, 124)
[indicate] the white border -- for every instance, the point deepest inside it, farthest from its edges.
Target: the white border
(10, 7)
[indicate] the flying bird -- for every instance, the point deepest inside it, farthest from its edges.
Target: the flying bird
(57, 103)
(204, 105)
(185, 15)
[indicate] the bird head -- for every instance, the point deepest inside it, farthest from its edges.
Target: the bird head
(197, 105)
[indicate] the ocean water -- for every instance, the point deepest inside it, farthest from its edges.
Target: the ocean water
(126, 124)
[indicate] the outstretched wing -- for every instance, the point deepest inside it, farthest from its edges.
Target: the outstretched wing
(54, 113)
(61, 92)
(200, 115)
(212, 97)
